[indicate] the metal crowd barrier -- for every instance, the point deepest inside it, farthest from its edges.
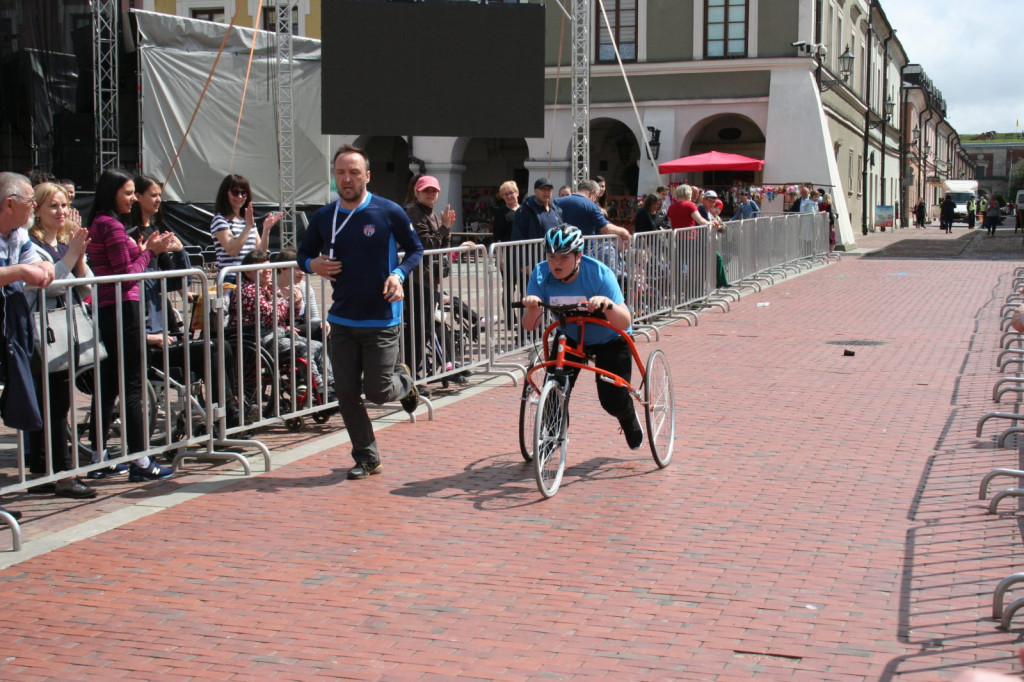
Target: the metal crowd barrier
(448, 323)
(512, 262)
(650, 285)
(178, 410)
(759, 251)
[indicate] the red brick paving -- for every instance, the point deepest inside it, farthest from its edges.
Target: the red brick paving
(819, 521)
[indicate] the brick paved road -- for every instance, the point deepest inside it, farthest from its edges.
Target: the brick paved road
(820, 520)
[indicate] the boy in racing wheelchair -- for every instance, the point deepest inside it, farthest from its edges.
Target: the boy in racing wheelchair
(566, 276)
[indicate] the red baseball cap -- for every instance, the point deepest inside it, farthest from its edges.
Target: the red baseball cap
(427, 181)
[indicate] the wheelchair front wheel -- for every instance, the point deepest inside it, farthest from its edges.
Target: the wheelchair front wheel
(551, 438)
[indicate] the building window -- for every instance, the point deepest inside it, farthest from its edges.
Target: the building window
(270, 19)
(209, 14)
(622, 17)
(725, 36)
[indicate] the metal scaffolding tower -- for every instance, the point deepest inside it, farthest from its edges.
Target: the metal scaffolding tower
(105, 74)
(580, 92)
(285, 122)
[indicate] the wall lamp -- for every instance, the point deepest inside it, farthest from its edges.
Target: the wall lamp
(654, 142)
(889, 106)
(845, 69)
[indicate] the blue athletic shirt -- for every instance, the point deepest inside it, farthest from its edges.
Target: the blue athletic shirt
(367, 248)
(582, 212)
(594, 279)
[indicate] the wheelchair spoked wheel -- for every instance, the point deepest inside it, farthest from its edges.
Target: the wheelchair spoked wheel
(527, 420)
(551, 437)
(659, 408)
(258, 388)
(528, 410)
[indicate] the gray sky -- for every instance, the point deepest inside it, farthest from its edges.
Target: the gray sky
(974, 54)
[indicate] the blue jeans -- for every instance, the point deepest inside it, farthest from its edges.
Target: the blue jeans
(364, 360)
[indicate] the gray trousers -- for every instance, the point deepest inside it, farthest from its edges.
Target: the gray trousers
(364, 361)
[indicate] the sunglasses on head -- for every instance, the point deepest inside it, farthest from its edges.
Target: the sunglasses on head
(239, 193)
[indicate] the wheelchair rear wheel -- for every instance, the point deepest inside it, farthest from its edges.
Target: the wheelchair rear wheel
(659, 408)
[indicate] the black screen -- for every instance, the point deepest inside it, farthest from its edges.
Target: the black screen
(432, 68)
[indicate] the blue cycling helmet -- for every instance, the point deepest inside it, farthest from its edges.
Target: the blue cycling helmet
(564, 238)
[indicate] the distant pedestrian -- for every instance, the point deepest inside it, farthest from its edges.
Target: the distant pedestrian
(919, 211)
(947, 211)
(826, 207)
(992, 216)
(747, 208)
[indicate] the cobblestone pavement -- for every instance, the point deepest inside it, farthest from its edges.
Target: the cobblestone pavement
(820, 519)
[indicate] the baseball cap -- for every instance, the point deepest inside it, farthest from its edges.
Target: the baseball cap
(427, 181)
(711, 194)
(543, 182)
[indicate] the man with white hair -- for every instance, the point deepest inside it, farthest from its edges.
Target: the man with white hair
(19, 262)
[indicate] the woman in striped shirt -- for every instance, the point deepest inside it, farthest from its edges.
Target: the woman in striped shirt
(234, 228)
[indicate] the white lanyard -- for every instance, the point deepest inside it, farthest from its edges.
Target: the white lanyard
(335, 228)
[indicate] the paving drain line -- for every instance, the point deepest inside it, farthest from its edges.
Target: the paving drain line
(857, 342)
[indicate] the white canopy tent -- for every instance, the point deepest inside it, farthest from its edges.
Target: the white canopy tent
(175, 58)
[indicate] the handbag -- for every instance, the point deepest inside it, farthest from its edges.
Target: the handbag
(59, 342)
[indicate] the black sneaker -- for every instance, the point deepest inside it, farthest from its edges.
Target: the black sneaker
(75, 488)
(634, 434)
(154, 472)
(364, 470)
(409, 401)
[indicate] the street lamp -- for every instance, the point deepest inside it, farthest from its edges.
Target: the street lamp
(875, 122)
(845, 69)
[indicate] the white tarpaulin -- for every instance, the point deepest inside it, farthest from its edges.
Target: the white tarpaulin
(175, 57)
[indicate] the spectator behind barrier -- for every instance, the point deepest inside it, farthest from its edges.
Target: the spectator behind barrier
(260, 300)
(648, 216)
(307, 311)
(112, 252)
(58, 238)
(234, 227)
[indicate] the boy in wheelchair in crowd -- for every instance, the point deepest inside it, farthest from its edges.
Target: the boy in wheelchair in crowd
(567, 277)
(260, 300)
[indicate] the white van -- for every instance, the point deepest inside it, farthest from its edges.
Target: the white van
(962, 191)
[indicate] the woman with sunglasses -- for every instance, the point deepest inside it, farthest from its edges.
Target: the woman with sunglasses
(234, 228)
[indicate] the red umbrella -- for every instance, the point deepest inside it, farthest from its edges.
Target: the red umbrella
(711, 161)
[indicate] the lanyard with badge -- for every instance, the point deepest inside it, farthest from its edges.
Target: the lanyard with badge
(335, 228)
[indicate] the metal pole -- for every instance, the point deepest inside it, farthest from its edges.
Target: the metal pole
(580, 92)
(885, 120)
(285, 123)
(105, 75)
(867, 122)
